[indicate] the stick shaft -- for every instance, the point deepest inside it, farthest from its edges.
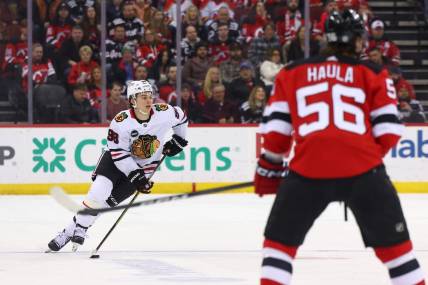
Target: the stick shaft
(168, 198)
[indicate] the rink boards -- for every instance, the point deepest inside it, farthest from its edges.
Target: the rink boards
(34, 159)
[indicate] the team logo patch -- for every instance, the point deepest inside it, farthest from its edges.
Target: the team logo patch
(161, 107)
(145, 146)
(134, 133)
(120, 117)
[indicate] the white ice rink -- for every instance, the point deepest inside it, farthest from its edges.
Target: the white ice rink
(214, 239)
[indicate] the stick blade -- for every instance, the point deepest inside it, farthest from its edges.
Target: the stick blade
(64, 200)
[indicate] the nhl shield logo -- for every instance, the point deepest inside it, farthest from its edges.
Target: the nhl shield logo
(145, 146)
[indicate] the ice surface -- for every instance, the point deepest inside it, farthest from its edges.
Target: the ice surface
(214, 239)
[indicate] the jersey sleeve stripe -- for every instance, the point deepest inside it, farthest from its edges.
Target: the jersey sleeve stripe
(276, 125)
(122, 157)
(387, 118)
(117, 149)
(277, 116)
(387, 128)
(280, 106)
(387, 109)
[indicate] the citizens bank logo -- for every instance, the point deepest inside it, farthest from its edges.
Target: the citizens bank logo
(49, 155)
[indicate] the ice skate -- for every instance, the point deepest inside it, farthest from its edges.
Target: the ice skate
(78, 237)
(59, 241)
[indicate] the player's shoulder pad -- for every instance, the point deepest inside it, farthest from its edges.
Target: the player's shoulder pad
(376, 68)
(160, 107)
(121, 116)
(310, 60)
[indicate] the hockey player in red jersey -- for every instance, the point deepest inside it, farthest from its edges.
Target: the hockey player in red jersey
(136, 141)
(343, 117)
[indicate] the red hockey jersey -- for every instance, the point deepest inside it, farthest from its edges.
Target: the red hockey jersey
(341, 111)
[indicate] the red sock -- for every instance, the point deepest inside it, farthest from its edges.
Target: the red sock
(277, 263)
(401, 262)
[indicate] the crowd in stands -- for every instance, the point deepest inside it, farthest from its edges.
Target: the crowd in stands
(231, 52)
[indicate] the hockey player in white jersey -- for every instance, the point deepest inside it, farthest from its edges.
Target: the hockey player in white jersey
(136, 141)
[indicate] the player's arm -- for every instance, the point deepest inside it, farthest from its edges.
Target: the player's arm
(386, 126)
(118, 143)
(276, 135)
(178, 141)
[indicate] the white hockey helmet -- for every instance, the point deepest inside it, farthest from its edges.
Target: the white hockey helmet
(137, 87)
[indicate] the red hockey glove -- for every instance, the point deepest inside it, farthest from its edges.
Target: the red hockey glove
(268, 176)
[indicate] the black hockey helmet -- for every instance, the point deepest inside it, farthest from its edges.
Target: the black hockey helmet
(343, 28)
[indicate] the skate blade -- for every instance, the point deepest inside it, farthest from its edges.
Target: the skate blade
(49, 251)
(74, 247)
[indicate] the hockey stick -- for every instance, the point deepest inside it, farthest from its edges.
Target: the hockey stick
(86, 211)
(125, 207)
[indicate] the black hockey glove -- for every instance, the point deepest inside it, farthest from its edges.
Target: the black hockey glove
(140, 181)
(174, 146)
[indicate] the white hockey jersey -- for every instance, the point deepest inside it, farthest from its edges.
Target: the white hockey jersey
(138, 144)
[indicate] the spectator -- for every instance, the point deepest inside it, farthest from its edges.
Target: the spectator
(113, 10)
(411, 110)
(192, 18)
(401, 84)
(124, 69)
(145, 11)
(287, 26)
(77, 8)
(116, 102)
(222, 19)
(212, 78)
(252, 110)
(219, 47)
(149, 49)
(76, 109)
(196, 68)
(378, 39)
(161, 28)
(188, 43)
(115, 45)
(82, 70)
(260, 45)
(160, 68)
(43, 70)
(296, 49)
(218, 109)
(189, 104)
(141, 73)
(95, 88)
(319, 28)
(60, 28)
(167, 89)
(270, 68)
(209, 9)
(254, 23)
(134, 27)
(375, 56)
(70, 48)
(91, 27)
(240, 88)
(229, 69)
(16, 51)
(171, 10)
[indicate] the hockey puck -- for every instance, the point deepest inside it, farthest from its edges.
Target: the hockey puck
(95, 256)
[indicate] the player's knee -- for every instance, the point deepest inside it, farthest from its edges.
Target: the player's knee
(99, 193)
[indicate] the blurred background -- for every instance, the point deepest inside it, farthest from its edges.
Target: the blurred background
(68, 61)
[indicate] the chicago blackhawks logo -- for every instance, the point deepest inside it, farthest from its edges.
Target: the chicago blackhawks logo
(145, 146)
(120, 117)
(161, 107)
